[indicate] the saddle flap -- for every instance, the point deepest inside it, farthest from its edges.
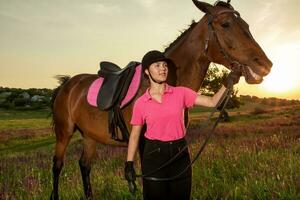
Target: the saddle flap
(110, 91)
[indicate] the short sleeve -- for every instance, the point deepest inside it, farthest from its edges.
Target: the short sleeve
(189, 97)
(137, 116)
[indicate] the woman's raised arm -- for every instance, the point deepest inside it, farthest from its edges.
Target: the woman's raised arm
(208, 101)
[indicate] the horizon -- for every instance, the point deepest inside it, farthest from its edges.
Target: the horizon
(42, 39)
(238, 95)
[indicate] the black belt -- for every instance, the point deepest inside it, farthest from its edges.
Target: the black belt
(165, 143)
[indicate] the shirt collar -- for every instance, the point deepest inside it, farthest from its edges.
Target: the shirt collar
(168, 89)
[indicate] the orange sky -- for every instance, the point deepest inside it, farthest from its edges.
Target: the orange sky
(40, 39)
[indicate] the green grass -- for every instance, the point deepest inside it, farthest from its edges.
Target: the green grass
(252, 157)
(240, 174)
(26, 114)
(200, 109)
(12, 119)
(29, 145)
(24, 123)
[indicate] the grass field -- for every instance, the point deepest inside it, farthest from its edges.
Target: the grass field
(255, 156)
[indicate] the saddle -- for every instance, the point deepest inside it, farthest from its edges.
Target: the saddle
(112, 91)
(116, 83)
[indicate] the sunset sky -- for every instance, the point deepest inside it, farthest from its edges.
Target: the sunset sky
(40, 39)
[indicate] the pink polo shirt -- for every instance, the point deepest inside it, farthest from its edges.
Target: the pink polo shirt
(165, 120)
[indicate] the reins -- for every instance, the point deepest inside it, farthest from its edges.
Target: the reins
(225, 96)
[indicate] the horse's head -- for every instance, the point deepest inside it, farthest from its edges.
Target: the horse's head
(230, 43)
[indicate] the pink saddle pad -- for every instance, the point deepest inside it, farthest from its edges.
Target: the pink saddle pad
(132, 90)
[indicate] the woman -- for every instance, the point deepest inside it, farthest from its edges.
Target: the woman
(161, 108)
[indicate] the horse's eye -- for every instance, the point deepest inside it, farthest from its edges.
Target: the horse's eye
(225, 24)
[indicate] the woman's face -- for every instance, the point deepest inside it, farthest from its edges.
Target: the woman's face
(158, 70)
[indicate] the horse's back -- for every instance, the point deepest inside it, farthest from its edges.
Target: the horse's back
(70, 94)
(75, 86)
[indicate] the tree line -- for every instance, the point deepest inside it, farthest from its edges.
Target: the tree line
(25, 99)
(35, 98)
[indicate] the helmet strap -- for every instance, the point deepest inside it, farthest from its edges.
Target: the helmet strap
(155, 81)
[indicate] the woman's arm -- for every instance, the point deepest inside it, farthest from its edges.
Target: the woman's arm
(202, 100)
(133, 141)
(233, 78)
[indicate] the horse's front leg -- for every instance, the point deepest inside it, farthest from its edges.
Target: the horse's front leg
(89, 148)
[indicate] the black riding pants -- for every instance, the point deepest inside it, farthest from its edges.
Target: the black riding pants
(156, 153)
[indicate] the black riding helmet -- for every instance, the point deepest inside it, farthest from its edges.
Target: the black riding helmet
(152, 57)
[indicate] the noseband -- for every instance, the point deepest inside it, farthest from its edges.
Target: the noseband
(235, 65)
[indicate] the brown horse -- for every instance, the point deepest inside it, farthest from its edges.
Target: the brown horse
(221, 36)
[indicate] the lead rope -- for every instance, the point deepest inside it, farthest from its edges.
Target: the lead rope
(226, 96)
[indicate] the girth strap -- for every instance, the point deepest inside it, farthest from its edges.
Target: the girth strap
(117, 123)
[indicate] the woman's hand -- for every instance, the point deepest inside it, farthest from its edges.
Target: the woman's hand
(129, 171)
(130, 175)
(233, 77)
(132, 148)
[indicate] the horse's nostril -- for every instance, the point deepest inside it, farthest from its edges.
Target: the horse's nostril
(256, 59)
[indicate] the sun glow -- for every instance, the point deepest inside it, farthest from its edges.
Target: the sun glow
(278, 81)
(284, 75)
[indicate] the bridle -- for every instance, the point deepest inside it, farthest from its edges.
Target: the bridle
(234, 63)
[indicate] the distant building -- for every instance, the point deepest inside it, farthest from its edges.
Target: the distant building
(37, 98)
(25, 95)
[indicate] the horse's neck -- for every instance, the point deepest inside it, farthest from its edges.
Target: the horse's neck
(188, 55)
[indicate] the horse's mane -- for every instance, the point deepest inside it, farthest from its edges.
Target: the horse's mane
(183, 33)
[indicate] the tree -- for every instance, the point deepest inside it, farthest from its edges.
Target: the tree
(17, 100)
(213, 82)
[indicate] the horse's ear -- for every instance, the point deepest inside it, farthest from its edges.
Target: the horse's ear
(204, 7)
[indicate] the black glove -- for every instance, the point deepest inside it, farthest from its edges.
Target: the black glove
(129, 171)
(130, 176)
(233, 77)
